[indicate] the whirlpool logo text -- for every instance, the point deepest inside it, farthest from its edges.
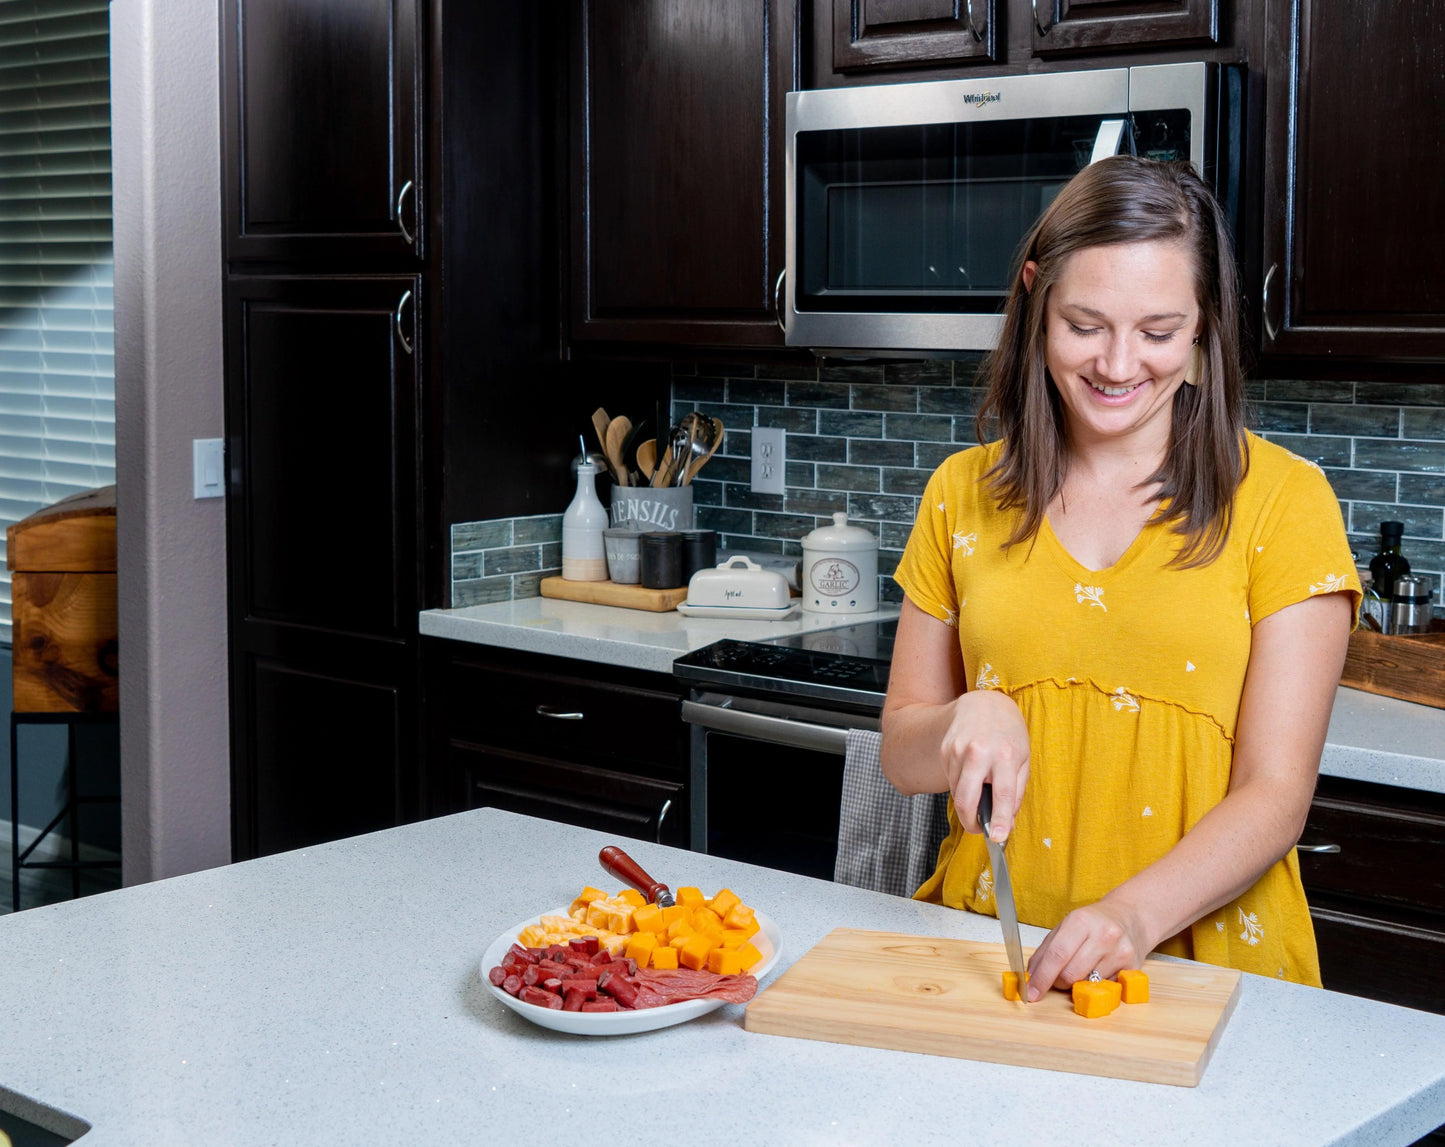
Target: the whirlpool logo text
(978, 99)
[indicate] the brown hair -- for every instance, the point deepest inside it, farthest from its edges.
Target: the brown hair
(1125, 200)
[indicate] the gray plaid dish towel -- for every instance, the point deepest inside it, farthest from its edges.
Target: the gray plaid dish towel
(886, 841)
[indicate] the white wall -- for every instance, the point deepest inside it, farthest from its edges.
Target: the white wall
(175, 772)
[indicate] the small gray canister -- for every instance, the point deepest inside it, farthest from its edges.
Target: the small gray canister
(1410, 605)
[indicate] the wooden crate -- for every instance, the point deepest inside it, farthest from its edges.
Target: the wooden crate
(63, 606)
(1410, 667)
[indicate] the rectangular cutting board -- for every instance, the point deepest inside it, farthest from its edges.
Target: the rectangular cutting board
(610, 593)
(945, 997)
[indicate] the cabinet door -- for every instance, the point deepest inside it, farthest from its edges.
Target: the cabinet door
(1098, 25)
(322, 548)
(677, 169)
(322, 106)
(1354, 177)
(900, 33)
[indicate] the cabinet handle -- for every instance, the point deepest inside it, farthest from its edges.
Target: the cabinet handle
(558, 714)
(407, 188)
(1042, 30)
(396, 319)
(972, 27)
(662, 816)
(1317, 848)
(1269, 328)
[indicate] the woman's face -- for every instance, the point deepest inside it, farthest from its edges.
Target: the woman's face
(1119, 327)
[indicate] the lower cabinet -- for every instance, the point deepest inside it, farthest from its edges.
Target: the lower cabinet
(1372, 858)
(585, 744)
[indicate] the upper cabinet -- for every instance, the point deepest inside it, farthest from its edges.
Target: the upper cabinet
(676, 174)
(904, 33)
(323, 125)
(1354, 178)
(1103, 25)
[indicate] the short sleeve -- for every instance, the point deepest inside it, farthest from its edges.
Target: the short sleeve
(926, 570)
(1299, 549)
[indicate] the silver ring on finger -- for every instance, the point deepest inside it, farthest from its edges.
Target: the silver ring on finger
(1094, 976)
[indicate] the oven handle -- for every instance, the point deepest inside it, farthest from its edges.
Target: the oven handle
(777, 730)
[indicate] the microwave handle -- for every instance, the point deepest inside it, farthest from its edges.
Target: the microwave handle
(1109, 139)
(778, 300)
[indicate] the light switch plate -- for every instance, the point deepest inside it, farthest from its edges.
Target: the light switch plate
(208, 467)
(768, 448)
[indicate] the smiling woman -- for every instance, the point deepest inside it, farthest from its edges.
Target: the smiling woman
(1139, 645)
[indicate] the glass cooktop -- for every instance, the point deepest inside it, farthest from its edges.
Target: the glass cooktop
(845, 666)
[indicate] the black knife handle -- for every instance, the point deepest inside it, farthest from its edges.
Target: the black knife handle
(985, 807)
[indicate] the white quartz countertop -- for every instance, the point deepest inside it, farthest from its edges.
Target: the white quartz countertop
(332, 995)
(1371, 738)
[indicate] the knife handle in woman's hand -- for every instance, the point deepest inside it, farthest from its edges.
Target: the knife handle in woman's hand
(985, 810)
(617, 863)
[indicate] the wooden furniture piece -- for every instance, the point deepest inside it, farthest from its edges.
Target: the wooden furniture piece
(65, 667)
(584, 744)
(1408, 666)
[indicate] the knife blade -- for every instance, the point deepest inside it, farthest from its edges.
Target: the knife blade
(1003, 893)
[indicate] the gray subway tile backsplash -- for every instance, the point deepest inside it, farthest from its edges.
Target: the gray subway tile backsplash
(865, 437)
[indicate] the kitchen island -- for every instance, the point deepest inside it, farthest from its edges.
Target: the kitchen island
(332, 995)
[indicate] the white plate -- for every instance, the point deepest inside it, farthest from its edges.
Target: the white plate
(743, 612)
(767, 940)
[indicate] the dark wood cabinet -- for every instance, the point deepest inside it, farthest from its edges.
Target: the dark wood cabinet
(1354, 181)
(323, 124)
(1372, 858)
(322, 538)
(894, 33)
(676, 169)
(591, 745)
(1080, 26)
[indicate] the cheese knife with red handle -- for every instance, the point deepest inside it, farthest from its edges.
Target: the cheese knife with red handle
(617, 863)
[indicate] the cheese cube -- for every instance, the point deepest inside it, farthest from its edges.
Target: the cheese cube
(631, 896)
(640, 946)
(749, 955)
(724, 902)
(1134, 985)
(664, 957)
(1093, 999)
(724, 962)
(1011, 985)
(649, 918)
(690, 897)
(693, 953)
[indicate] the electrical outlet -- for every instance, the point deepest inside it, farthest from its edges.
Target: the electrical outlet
(767, 460)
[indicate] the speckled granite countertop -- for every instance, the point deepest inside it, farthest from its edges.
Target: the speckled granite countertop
(332, 995)
(1371, 738)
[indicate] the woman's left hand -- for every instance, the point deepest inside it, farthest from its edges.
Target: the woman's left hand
(1102, 937)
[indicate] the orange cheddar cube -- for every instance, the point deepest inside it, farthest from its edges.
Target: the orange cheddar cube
(632, 896)
(1134, 985)
(1093, 999)
(749, 956)
(706, 920)
(674, 912)
(690, 897)
(724, 902)
(693, 954)
(682, 926)
(740, 916)
(1011, 985)
(640, 946)
(734, 938)
(665, 958)
(724, 962)
(649, 918)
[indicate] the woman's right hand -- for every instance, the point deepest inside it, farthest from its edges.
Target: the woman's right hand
(987, 742)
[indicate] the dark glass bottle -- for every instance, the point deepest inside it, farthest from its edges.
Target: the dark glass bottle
(1387, 565)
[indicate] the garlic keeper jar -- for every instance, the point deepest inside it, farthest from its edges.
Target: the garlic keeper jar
(840, 569)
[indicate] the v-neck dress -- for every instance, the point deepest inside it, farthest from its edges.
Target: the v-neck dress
(1129, 680)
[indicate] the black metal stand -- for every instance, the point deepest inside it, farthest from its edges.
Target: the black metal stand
(69, 811)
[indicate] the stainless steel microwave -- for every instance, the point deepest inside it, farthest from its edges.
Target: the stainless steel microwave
(906, 203)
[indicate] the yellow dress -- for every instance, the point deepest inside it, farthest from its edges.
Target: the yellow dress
(1129, 680)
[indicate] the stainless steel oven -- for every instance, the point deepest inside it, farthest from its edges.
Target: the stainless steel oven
(907, 202)
(769, 722)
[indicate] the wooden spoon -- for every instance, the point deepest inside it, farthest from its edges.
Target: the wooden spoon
(617, 431)
(647, 458)
(600, 423)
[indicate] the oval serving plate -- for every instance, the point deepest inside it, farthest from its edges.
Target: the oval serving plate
(768, 941)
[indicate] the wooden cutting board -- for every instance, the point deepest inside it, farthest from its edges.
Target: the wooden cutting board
(610, 593)
(945, 997)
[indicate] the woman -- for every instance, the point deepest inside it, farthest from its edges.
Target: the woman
(1127, 614)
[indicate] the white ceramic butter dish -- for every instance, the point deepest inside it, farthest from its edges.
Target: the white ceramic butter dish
(736, 585)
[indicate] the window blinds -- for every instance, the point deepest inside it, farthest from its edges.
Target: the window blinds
(57, 337)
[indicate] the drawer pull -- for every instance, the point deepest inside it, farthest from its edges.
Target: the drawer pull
(662, 816)
(558, 714)
(1317, 848)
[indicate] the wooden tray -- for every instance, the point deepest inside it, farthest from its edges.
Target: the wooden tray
(1411, 667)
(610, 593)
(945, 997)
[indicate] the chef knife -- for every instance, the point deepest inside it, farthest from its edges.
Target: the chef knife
(1003, 893)
(617, 863)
